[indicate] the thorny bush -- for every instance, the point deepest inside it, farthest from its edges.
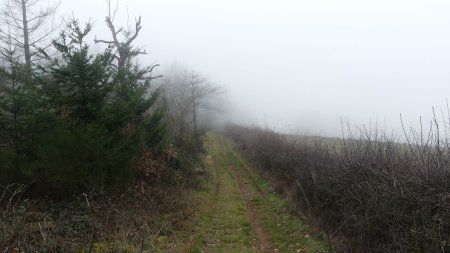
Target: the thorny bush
(368, 192)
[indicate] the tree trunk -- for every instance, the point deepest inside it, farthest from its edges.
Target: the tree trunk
(26, 39)
(194, 111)
(195, 122)
(15, 112)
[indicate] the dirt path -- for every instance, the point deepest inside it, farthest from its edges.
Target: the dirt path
(263, 243)
(239, 212)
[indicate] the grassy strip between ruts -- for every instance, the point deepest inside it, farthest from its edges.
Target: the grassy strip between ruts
(288, 232)
(222, 223)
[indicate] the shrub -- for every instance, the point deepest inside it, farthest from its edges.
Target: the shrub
(89, 120)
(377, 194)
(83, 158)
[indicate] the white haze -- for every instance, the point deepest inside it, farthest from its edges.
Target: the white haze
(297, 64)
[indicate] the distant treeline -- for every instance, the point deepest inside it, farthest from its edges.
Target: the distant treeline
(368, 192)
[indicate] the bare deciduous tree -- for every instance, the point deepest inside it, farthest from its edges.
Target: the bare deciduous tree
(200, 88)
(24, 26)
(186, 93)
(123, 46)
(176, 98)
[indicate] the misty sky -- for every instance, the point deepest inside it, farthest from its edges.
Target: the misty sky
(301, 64)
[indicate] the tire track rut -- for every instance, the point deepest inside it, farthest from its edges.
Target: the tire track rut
(263, 242)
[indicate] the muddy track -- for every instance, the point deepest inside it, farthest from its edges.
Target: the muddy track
(263, 242)
(251, 178)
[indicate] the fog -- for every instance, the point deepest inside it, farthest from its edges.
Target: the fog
(301, 65)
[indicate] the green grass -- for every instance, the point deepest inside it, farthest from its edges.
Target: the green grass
(288, 232)
(223, 225)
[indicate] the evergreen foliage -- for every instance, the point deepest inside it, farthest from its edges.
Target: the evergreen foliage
(79, 121)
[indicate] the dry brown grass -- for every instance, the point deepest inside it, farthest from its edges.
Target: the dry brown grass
(148, 217)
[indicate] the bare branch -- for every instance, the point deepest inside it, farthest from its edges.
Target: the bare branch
(28, 25)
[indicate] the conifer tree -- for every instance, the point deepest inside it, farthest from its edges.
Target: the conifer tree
(104, 116)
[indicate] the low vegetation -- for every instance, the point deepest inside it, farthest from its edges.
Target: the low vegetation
(147, 217)
(287, 231)
(368, 192)
(225, 222)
